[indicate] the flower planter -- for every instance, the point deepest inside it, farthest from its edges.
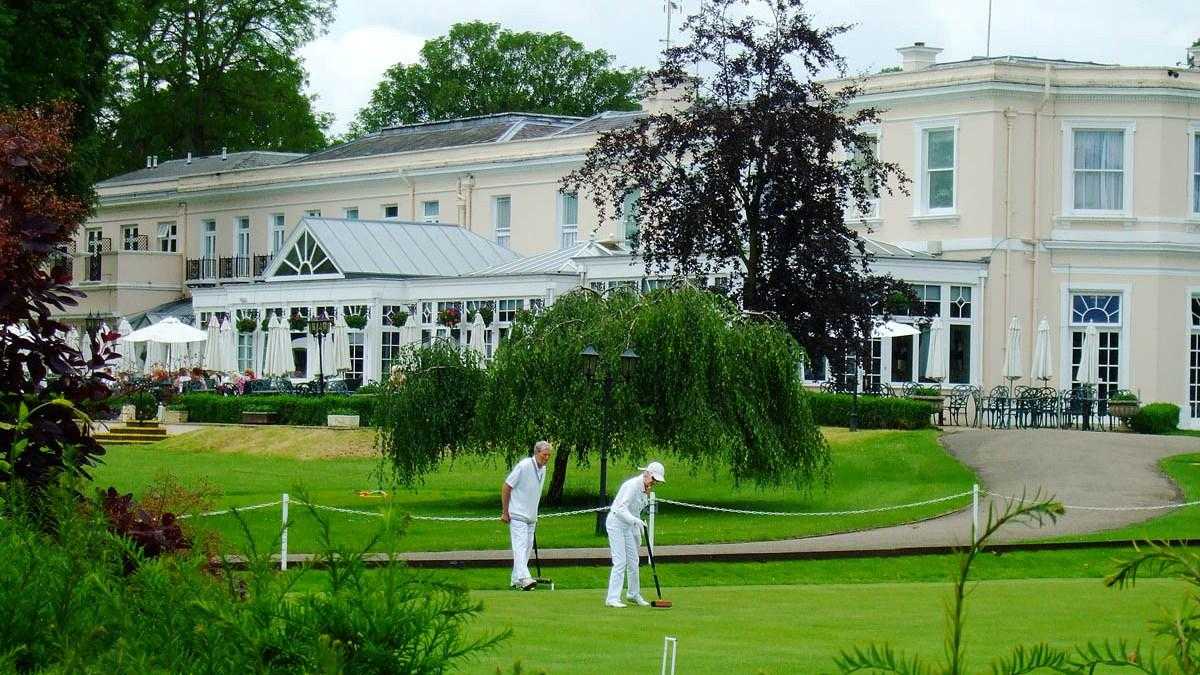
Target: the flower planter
(342, 421)
(259, 417)
(175, 417)
(937, 402)
(1124, 409)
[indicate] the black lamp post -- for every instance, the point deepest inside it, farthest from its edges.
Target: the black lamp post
(591, 363)
(319, 328)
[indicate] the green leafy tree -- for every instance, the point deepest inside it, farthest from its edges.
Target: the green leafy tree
(479, 68)
(197, 76)
(711, 387)
(60, 51)
(752, 173)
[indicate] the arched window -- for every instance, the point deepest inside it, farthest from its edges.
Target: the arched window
(305, 258)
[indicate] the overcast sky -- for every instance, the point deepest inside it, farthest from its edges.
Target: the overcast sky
(369, 36)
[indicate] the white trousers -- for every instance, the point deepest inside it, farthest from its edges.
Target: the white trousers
(623, 545)
(521, 534)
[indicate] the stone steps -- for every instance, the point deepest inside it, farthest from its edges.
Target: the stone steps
(133, 433)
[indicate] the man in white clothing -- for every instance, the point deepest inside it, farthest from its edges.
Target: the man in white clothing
(519, 497)
(624, 525)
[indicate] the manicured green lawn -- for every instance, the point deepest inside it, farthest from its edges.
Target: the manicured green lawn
(800, 629)
(875, 468)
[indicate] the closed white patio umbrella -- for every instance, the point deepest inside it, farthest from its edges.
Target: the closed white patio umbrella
(227, 350)
(410, 333)
(476, 341)
(1012, 351)
(1089, 360)
(935, 366)
(1043, 365)
(339, 346)
(212, 344)
(278, 359)
(128, 361)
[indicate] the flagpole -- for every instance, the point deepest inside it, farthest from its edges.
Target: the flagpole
(989, 29)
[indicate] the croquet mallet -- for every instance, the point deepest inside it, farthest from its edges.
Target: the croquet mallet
(659, 603)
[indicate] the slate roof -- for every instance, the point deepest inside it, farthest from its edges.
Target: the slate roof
(178, 168)
(447, 134)
(396, 248)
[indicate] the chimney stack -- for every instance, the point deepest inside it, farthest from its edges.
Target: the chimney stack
(660, 98)
(1193, 56)
(224, 155)
(917, 57)
(149, 161)
(189, 159)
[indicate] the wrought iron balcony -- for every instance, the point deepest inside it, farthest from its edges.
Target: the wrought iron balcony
(201, 269)
(261, 262)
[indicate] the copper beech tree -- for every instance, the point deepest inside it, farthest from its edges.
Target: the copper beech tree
(748, 171)
(46, 386)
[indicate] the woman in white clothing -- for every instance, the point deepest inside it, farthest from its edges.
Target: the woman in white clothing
(624, 526)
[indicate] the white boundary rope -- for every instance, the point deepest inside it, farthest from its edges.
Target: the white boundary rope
(252, 507)
(851, 512)
(1155, 507)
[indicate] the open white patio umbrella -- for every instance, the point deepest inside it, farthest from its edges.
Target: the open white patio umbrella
(1012, 351)
(156, 356)
(935, 366)
(212, 344)
(128, 361)
(410, 333)
(1043, 365)
(893, 329)
(278, 359)
(227, 349)
(170, 330)
(1089, 360)
(476, 341)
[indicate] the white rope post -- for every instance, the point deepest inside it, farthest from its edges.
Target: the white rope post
(283, 537)
(653, 510)
(669, 642)
(974, 512)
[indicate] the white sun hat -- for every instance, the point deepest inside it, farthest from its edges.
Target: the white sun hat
(656, 471)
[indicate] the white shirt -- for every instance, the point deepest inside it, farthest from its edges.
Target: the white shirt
(526, 480)
(631, 499)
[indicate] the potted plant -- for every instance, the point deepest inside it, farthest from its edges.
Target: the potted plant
(356, 321)
(398, 318)
(1123, 404)
(297, 322)
(450, 317)
(342, 418)
(176, 414)
(246, 325)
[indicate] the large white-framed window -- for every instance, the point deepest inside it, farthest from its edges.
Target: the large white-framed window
(94, 240)
(1105, 310)
(431, 211)
(129, 238)
(857, 160)
(245, 351)
(629, 214)
(936, 182)
(277, 230)
(502, 219)
(209, 247)
(568, 218)
(242, 232)
(1194, 169)
(168, 237)
(1097, 167)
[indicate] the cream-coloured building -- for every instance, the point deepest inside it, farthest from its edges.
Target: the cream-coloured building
(1039, 189)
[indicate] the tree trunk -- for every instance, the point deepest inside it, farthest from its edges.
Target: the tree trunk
(558, 479)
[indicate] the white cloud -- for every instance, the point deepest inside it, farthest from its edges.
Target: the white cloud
(370, 36)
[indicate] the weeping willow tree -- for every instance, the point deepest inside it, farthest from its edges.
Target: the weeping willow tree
(711, 387)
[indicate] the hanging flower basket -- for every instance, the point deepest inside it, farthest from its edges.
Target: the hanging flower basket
(398, 319)
(246, 325)
(450, 317)
(356, 321)
(297, 322)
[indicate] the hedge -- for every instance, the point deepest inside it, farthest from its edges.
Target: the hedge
(291, 408)
(1156, 418)
(833, 410)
